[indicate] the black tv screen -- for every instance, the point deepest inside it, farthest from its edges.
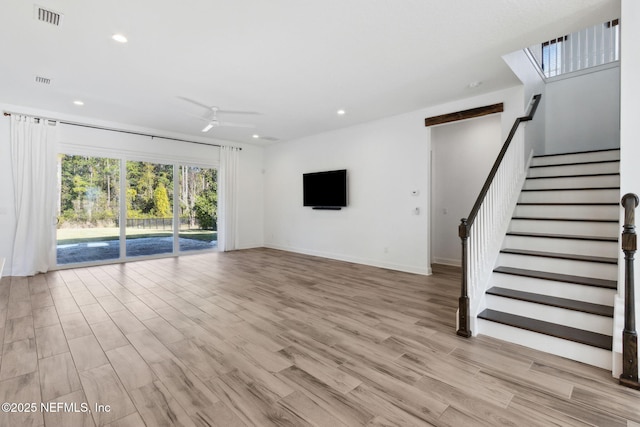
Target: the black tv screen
(325, 189)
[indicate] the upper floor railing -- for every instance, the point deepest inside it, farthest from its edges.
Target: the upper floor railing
(593, 46)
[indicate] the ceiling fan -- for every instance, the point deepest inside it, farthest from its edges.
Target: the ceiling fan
(212, 117)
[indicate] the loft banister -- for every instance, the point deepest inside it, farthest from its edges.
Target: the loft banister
(629, 376)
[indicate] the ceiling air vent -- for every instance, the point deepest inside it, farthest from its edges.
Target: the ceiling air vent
(43, 80)
(47, 15)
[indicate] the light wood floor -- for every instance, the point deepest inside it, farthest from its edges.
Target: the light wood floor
(263, 337)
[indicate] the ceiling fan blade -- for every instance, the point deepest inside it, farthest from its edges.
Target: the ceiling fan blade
(238, 112)
(206, 118)
(208, 127)
(237, 125)
(199, 104)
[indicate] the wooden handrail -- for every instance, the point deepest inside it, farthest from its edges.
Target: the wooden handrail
(464, 322)
(485, 188)
(629, 376)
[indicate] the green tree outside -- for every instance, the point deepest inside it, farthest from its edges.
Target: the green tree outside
(90, 192)
(162, 207)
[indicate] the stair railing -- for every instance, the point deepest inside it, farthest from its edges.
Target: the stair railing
(480, 233)
(629, 376)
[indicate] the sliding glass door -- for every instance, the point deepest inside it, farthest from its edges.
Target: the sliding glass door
(149, 213)
(168, 209)
(88, 209)
(198, 208)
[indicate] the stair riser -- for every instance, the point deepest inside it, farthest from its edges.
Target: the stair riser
(569, 349)
(553, 265)
(561, 316)
(556, 185)
(568, 211)
(610, 167)
(570, 196)
(573, 182)
(552, 288)
(579, 228)
(567, 246)
(599, 156)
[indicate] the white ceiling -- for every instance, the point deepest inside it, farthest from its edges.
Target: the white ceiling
(295, 61)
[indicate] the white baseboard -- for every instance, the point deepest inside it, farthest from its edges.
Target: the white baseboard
(447, 261)
(251, 245)
(425, 271)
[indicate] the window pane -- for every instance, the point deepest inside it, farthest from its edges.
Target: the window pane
(149, 227)
(198, 208)
(88, 207)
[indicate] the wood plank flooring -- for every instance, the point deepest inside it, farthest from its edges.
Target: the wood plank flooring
(268, 338)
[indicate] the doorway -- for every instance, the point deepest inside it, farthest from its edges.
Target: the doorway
(462, 154)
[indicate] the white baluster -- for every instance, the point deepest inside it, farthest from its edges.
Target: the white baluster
(493, 218)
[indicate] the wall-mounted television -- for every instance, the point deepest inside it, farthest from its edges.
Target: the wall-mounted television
(325, 190)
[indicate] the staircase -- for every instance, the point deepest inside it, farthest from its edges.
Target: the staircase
(556, 276)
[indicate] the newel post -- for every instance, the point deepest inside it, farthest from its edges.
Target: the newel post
(464, 325)
(629, 376)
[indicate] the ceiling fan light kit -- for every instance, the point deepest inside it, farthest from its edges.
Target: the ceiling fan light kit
(212, 116)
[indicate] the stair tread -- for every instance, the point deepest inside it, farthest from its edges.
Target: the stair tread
(572, 189)
(562, 236)
(602, 150)
(545, 218)
(567, 278)
(558, 255)
(569, 304)
(581, 336)
(586, 175)
(575, 163)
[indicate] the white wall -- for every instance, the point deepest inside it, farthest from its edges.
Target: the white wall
(583, 112)
(76, 140)
(473, 146)
(386, 159)
(577, 113)
(523, 67)
(79, 140)
(629, 148)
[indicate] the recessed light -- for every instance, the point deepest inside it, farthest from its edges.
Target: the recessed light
(78, 102)
(119, 38)
(255, 136)
(341, 112)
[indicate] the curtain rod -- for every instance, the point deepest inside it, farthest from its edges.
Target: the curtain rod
(120, 130)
